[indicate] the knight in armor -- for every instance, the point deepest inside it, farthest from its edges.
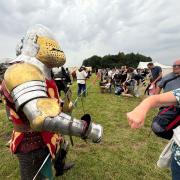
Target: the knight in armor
(34, 107)
(61, 78)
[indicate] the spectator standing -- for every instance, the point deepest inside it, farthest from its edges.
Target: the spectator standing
(156, 75)
(123, 74)
(68, 76)
(81, 80)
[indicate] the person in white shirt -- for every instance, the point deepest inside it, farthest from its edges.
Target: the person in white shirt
(81, 80)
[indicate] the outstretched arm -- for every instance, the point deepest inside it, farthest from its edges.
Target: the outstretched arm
(29, 93)
(137, 117)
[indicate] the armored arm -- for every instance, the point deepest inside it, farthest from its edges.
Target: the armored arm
(29, 93)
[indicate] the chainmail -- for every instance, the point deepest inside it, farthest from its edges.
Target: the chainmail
(30, 163)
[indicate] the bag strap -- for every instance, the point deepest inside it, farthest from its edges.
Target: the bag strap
(166, 109)
(173, 123)
(170, 80)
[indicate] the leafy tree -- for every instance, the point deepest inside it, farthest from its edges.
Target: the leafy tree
(94, 62)
(111, 61)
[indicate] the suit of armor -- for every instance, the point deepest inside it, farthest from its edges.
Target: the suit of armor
(61, 78)
(32, 98)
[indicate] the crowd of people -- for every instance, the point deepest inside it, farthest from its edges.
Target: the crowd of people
(167, 122)
(37, 113)
(124, 81)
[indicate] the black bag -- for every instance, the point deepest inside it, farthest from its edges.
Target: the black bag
(167, 119)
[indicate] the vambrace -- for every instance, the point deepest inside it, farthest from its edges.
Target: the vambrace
(45, 113)
(74, 127)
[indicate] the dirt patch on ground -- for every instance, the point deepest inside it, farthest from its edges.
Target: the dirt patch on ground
(81, 145)
(138, 145)
(6, 136)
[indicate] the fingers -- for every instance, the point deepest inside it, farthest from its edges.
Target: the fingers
(136, 125)
(133, 122)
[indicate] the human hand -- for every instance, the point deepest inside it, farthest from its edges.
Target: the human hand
(136, 118)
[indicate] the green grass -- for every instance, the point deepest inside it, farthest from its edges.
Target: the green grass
(124, 153)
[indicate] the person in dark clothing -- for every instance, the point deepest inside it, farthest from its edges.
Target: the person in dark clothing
(68, 77)
(123, 74)
(61, 78)
(156, 75)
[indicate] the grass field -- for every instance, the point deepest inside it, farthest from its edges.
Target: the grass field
(124, 154)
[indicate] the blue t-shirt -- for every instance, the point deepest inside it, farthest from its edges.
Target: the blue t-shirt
(155, 72)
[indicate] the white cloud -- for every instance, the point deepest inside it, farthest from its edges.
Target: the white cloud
(88, 27)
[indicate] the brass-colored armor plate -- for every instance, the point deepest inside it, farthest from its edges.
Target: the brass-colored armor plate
(48, 108)
(50, 53)
(20, 73)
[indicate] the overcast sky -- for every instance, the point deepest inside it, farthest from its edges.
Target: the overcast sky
(97, 27)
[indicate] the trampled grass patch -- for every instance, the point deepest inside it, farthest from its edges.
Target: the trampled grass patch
(124, 154)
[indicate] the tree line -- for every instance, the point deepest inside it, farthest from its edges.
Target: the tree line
(112, 61)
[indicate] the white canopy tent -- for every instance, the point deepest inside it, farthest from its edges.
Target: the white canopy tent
(165, 69)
